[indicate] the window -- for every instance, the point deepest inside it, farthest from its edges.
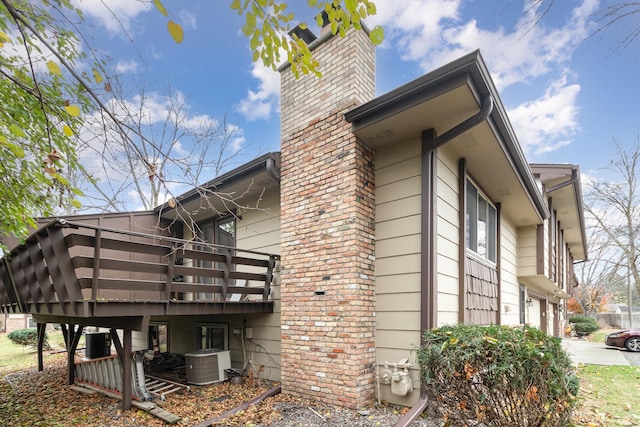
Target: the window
(212, 335)
(158, 337)
(481, 224)
(221, 231)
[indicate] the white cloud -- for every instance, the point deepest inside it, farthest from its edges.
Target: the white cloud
(432, 33)
(114, 15)
(550, 121)
(188, 19)
(127, 67)
(259, 104)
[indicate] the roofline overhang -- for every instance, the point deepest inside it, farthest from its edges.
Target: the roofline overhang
(471, 70)
(574, 181)
(269, 162)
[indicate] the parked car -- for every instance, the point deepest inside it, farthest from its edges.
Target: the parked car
(629, 339)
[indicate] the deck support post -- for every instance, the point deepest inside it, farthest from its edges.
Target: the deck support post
(41, 330)
(72, 338)
(126, 370)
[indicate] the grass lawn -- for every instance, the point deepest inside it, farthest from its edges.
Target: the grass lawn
(609, 395)
(14, 357)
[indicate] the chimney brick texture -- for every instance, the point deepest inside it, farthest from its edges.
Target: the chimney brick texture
(327, 229)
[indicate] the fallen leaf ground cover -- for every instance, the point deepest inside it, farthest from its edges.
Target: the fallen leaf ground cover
(608, 398)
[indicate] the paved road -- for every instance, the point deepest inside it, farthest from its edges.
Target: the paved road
(593, 353)
(633, 358)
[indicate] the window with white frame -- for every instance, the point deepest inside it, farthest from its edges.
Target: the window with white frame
(481, 224)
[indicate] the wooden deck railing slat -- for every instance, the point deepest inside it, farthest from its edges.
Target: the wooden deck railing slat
(42, 274)
(57, 263)
(19, 278)
(31, 283)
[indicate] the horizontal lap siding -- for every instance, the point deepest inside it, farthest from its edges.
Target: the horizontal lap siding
(398, 251)
(527, 256)
(448, 240)
(259, 230)
(398, 243)
(509, 285)
(398, 209)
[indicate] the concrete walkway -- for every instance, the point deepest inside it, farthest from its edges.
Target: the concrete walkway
(593, 353)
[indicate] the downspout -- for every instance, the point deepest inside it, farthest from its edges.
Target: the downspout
(571, 181)
(485, 110)
(273, 170)
(426, 311)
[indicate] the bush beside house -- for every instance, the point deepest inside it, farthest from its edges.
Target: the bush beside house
(498, 376)
(584, 325)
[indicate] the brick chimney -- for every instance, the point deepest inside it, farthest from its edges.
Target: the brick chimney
(327, 227)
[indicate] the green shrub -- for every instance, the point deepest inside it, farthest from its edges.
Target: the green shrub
(27, 336)
(498, 376)
(587, 328)
(582, 319)
(584, 324)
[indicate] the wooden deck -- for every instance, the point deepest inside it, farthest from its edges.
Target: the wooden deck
(88, 275)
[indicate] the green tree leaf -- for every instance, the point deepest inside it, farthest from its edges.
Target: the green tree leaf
(54, 68)
(376, 35)
(160, 7)
(176, 31)
(72, 110)
(17, 131)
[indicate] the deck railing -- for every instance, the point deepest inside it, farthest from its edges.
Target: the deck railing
(65, 265)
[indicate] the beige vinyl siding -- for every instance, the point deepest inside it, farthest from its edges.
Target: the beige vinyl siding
(509, 285)
(527, 251)
(545, 252)
(398, 209)
(259, 230)
(398, 252)
(256, 229)
(448, 240)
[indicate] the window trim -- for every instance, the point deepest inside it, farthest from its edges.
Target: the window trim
(491, 245)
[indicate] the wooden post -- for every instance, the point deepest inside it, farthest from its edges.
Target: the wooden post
(116, 343)
(126, 371)
(41, 329)
(71, 375)
(72, 344)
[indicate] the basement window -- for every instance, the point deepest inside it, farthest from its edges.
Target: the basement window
(482, 223)
(212, 335)
(159, 337)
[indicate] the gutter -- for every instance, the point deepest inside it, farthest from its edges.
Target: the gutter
(268, 162)
(430, 238)
(572, 180)
(575, 181)
(485, 110)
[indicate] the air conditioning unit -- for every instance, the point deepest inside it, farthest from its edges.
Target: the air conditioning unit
(207, 366)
